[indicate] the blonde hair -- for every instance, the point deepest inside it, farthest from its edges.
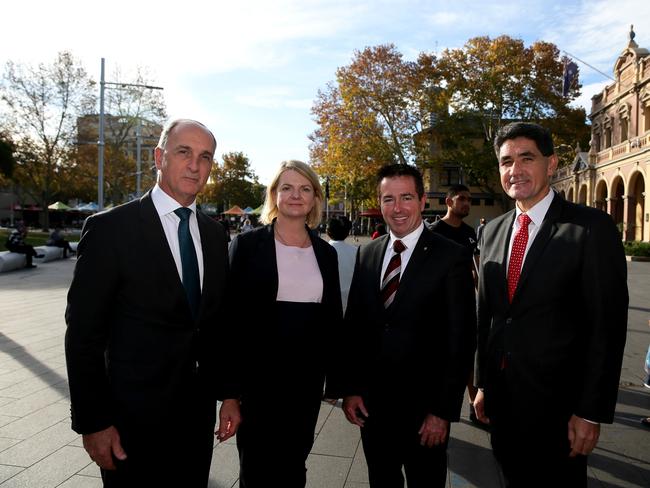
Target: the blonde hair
(270, 210)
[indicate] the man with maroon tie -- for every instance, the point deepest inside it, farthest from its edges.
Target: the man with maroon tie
(552, 318)
(412, 333)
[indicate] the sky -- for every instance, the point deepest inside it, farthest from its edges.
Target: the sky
(251, 69)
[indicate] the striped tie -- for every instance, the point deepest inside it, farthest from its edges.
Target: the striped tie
(391, 277)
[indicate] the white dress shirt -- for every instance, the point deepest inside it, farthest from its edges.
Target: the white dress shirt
(165, 206)
(536, 214)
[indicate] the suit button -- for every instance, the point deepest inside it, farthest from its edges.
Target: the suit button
(508, 321)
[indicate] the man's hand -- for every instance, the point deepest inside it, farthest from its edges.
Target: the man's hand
(583, 436)
(433, 431)
(355, 410)
(103, 445)
(479, 407)
(229, 419)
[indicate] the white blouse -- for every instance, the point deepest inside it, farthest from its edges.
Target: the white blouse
(299, 278)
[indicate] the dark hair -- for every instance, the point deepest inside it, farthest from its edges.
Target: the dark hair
(337, 229)
(393, 170)
(455, 190)
(535, 132)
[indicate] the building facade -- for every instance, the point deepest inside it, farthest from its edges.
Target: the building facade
(613, 174)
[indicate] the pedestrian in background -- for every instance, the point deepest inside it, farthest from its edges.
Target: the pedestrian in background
(338, 231)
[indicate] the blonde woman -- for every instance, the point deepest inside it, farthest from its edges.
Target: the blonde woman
(286, 340)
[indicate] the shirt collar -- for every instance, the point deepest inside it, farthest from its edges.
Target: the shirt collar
(165, 204)
(538, 211)
(409, 240)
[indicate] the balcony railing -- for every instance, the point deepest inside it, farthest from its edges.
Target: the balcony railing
(630, 146)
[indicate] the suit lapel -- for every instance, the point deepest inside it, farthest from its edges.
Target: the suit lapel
(376, 260)
(158, 248)
(544, 235)
(208, 249)
(409, 278)
(501, 243)
(157, 245)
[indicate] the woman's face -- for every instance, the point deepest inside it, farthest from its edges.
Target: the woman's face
(295, 195)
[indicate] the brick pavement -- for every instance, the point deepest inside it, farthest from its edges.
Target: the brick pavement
(38, 449)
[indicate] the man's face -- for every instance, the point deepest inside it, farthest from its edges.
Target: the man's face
(186, 161)
(400, 206)
(524, 171)
(460, 204)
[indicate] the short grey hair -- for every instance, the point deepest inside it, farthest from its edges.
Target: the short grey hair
(170, 125)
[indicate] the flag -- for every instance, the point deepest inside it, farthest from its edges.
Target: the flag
(569, 76)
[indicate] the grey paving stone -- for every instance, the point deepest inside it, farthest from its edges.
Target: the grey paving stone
(359, 469)
(81, 482)
(51, 471)
(91, 470)
(338, 437)
(35, 422)
(38, 446)
(6, 419)
(7, 472)
(34, 384)
(6, 443)
(224, 470)
(327, 471)
(31, 403)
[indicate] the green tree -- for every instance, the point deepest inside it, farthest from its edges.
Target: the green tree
(491, 82)
(234, 183)
(366, 119)
(7, 160)
(42, 105)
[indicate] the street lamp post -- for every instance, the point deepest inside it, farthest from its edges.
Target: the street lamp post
(100, 144)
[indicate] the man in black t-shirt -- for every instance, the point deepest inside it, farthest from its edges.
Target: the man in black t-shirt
(459, 202)
(451, 226)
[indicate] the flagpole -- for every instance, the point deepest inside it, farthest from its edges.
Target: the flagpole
(586, 64)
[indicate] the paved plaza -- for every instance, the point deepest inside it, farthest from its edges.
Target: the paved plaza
(38, 449)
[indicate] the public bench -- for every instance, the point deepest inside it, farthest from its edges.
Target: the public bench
(11, 260)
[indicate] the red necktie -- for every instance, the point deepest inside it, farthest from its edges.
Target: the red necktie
(517, 254)
(391, 277)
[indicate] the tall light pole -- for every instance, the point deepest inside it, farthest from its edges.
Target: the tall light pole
(100, 143)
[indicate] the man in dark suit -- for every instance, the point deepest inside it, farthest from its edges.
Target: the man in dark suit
(552, 320)
(143, 314)
(413, 332)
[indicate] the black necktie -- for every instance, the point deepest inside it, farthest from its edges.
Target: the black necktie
(189, 263)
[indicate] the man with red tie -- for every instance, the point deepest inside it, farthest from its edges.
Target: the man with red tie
(411, 320)
(552, 319)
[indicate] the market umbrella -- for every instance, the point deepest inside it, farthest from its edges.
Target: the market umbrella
(58, 206)
(257, 211)
(234, 210)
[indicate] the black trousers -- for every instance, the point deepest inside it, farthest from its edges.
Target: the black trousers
(390, 443)
(174, 454)
(27, 250)
(274, 440)
(532, 448)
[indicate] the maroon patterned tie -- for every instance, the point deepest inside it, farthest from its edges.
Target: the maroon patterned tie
(517, 254)
(391, 277)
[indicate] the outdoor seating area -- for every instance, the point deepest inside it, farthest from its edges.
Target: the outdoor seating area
(10, 261)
